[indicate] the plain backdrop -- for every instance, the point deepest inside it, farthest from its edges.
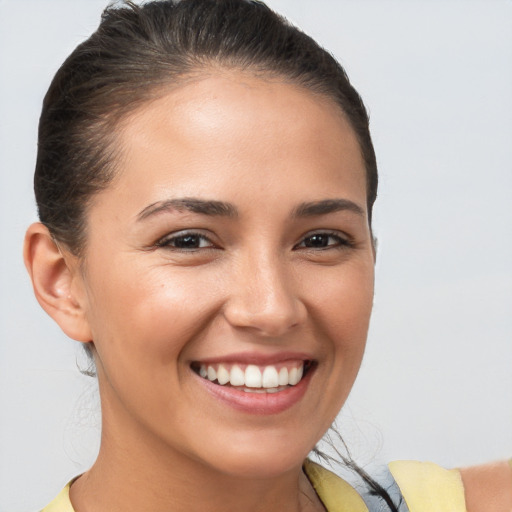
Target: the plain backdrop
(436, 383)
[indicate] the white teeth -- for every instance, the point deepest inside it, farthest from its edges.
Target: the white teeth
(222, 375)
(212, 374)
(252, 376)
(255, 390)
(283, 376)
(270, 378)
(237, 376)
(265, 390)
(293, 376)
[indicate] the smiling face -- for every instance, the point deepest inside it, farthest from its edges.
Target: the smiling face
(228, 276)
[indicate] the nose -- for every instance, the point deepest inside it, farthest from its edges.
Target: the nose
(263, 297)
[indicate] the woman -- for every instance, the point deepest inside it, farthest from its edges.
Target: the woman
(205, 183)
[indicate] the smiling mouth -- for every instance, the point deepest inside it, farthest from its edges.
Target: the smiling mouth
(252, 378)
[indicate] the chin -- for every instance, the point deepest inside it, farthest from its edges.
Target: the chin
(261, 460)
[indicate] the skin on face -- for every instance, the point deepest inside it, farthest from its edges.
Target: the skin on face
(283, 269)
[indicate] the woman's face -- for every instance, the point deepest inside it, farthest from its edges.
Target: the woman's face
(233, 246)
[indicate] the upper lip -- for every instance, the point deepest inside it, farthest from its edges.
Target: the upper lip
(256, 358)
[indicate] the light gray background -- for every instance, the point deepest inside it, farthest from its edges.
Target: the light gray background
(436, 383)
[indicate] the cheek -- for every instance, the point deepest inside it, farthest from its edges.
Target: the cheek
(341, 309)
(131, 308)
(139, 314)
(142, 327)
(342, 303)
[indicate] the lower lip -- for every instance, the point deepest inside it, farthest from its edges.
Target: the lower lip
(258, 403)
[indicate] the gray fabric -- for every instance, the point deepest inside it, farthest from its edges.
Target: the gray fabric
(376, 503)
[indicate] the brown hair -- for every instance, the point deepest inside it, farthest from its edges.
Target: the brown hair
(136, 53)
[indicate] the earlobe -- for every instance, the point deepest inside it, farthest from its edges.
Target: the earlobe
(54, 277)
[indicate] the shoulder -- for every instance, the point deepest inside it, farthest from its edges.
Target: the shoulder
(426, 486)
(488, 487)
(414, 486)
(420, 487)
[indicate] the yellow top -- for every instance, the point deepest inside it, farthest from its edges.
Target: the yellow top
(61, 503)
(426, 487)
(336, 494)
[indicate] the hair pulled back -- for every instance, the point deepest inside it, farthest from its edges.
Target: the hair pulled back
(140, 52)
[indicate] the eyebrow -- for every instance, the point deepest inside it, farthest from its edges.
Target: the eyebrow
(190, 204)
(325, 207)
(223, 209)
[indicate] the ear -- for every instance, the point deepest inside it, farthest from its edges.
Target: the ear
(57, 282)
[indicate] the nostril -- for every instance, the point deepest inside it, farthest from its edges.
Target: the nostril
(269, 322)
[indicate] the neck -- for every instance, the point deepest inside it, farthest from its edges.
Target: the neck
(134, 473)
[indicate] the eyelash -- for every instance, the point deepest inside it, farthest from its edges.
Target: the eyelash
(341, 242)
(167, 241)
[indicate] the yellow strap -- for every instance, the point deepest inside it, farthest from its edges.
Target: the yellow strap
(61, 503)
(336, 494)
(427, 487)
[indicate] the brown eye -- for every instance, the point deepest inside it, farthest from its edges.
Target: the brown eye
(186, 241)
(317, 241)
(323, 241)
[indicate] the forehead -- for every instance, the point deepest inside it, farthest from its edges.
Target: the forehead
(235, 128)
